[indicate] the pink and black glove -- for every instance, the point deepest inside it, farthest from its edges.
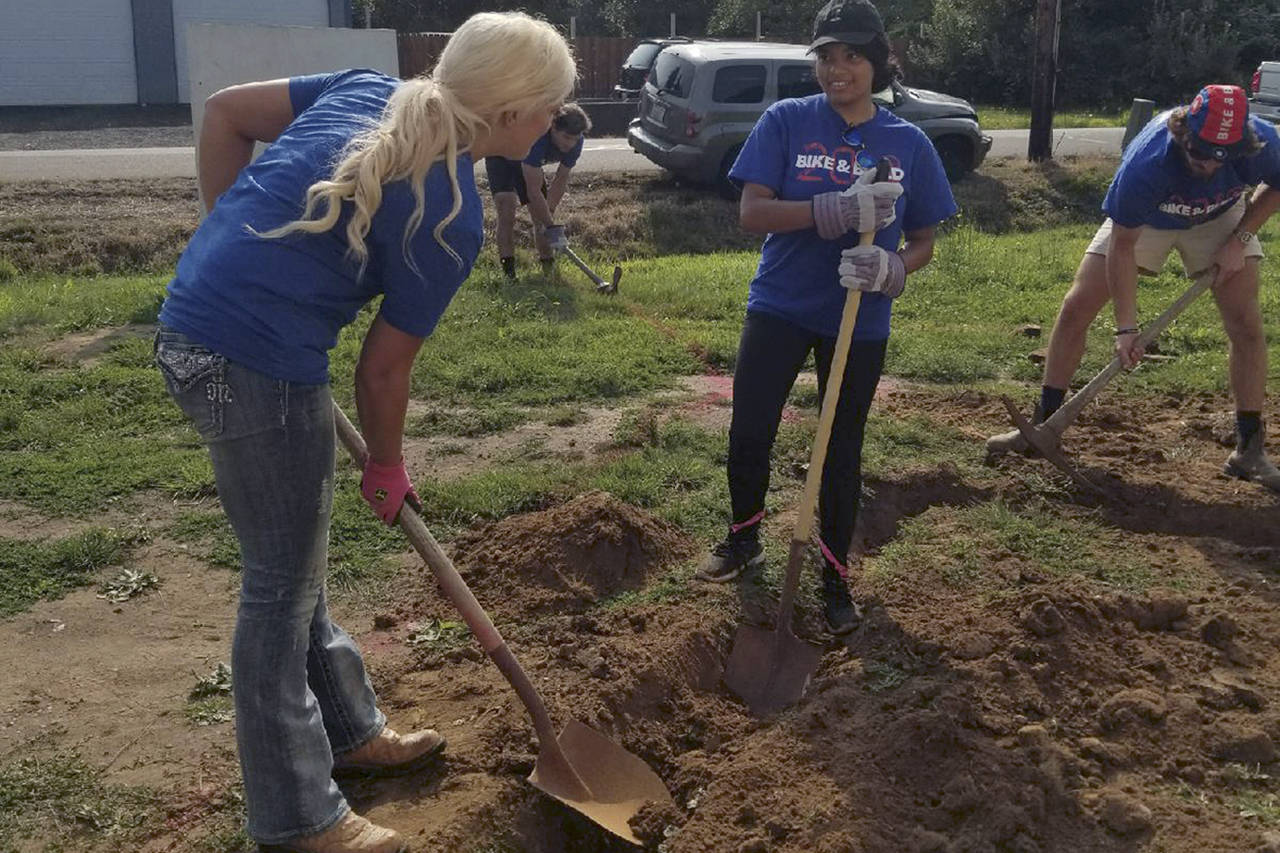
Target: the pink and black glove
(873, 270)
(386, 488)
(865, 206)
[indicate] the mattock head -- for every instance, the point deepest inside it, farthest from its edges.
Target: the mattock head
(1046, 442)
(611, 287)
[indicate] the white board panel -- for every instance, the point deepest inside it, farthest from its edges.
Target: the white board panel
(288, 13)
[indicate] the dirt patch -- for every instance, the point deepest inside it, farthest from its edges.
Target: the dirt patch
(123, 672)
(569, 557)
(141, 226)
(87, 348)
(1049, 717)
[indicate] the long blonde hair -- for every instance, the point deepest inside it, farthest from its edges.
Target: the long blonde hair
(496, 62)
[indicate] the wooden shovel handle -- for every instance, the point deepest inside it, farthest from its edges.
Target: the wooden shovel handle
(457, 591)
(827, 416)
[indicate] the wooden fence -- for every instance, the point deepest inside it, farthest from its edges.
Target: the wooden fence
(599, 59)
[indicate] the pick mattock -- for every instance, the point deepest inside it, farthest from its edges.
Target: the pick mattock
(582, 768)
(770, 669)
(1046, 438)
(602, 286)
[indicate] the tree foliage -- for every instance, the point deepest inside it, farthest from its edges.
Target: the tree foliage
(1109, 52)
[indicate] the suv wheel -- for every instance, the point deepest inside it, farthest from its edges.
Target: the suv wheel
(956, 154)
(724, 185)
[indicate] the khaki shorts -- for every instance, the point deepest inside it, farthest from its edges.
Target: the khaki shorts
(1196, 245)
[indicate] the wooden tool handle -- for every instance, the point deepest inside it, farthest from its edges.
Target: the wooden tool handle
(1066, 415)
(827, 416)
(457, 591)
(582, 265)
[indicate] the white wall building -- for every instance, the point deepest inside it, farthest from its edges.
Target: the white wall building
(57, 52)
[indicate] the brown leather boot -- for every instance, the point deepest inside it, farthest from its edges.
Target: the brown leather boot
(352, 834)
(391, 754)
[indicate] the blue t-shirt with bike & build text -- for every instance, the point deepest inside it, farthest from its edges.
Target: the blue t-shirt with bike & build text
(801, 147)
(277, 305)
(1153, 186)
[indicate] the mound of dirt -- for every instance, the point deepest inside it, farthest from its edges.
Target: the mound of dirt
(569, 557)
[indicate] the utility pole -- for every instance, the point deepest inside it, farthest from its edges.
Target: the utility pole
(1044, 79)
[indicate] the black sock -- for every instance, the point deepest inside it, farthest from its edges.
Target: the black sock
(509, 266)
(1247, 426)
(1050, 401)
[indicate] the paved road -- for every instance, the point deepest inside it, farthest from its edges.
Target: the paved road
(600, 155)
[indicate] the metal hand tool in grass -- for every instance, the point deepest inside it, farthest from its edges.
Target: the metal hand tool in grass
(769, 670)
(581, 768)
(1046, 438)
(602, 286)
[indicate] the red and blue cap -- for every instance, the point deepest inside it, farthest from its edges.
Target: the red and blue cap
(1218, 119)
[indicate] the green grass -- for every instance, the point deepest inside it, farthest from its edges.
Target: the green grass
(467, 423)
(32, 571)
(1264, 807)
(1009, 118)
(61, 799)
(960, 545)
(73, 303)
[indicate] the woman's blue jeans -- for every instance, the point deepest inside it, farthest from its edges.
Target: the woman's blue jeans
(300, 687)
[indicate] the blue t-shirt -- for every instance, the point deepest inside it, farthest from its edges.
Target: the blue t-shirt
(277, 305)
(1153, 187)
(798, 150)
(545, 151)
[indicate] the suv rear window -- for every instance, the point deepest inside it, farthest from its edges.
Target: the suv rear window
(739, 84)
(797, 81)
(672, 75)
(642, 56)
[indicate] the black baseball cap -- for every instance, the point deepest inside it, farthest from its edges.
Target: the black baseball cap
(854, 22)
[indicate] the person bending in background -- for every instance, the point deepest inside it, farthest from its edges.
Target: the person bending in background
(522, 182)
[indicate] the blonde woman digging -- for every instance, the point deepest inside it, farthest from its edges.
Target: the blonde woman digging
(292, 248)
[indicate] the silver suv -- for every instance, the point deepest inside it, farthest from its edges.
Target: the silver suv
(1265, 90)
(702, 99)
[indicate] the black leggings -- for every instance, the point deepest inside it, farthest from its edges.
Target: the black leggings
(770, 355)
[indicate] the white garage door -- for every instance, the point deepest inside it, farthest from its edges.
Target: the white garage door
(293, 13)
(67, 52)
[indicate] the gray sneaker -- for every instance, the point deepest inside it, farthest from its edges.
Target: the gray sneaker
(733, 555)
(1251, 463)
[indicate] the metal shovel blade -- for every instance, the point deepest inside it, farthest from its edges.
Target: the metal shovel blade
(619, 782)
(770, 670)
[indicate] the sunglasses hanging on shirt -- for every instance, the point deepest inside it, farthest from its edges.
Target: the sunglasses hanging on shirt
(853, 139)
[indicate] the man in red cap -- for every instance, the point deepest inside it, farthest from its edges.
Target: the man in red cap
(1183, 184)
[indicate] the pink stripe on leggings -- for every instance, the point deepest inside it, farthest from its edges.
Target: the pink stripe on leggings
(743, 525)
(841, 569)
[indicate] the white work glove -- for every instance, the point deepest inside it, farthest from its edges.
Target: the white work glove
(555, 237)
(864, 206)
(873, 270)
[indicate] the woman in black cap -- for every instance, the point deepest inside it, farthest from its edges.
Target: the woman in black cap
(807, 174)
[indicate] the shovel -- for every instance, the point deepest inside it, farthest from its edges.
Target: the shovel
(581, 768)
(602, 286)
(769, 670)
